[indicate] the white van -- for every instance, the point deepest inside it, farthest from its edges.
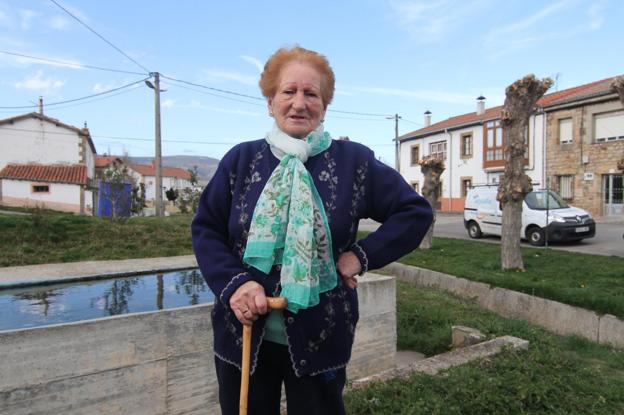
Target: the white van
(482, 215)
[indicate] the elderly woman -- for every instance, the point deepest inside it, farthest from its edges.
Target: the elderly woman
(280, 217)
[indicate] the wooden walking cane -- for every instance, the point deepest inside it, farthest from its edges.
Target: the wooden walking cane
(273, 303)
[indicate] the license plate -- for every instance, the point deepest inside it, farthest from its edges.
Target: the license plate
(582, 229)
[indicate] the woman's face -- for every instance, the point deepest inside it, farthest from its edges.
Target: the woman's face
(297, 104)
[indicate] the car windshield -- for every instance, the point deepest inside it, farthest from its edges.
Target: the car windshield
(542, 200)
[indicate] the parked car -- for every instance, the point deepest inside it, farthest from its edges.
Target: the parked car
(544, 215)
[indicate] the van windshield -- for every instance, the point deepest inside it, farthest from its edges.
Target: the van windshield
(542, 199)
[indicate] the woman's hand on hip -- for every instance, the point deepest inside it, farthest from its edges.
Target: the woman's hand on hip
(349, 267)
(248, 302)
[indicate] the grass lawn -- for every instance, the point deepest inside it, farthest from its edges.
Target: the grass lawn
(45, 237)
(590, 281)
(555, 376)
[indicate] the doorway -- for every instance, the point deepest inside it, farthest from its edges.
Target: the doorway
(613, 194)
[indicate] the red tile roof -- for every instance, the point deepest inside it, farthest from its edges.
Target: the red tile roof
(150, 170)
(72, 174)
(81, 131)
(577, 93)
(103, 161)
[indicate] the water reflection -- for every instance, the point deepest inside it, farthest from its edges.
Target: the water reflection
(37, 306)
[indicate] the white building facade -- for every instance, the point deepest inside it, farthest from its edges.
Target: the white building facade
(471, 146)
(56, 164)
(172, 178)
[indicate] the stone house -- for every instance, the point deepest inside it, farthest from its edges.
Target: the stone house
(584, 144)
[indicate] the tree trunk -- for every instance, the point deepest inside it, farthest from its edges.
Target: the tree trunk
(618, 86)
(521, 97)
(432, 169)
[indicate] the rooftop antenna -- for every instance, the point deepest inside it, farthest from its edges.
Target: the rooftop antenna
(557, 76)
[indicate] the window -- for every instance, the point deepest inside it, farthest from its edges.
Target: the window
(565, 131)
(609, 126)
(41, 188)
(566, 186)
(466, 145)
(415, 155)
(495, 142)
(416, 186)
(466, 184)
(438, 150)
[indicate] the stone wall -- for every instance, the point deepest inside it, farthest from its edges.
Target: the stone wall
(153, 363)
(583, 155)
(557, 317)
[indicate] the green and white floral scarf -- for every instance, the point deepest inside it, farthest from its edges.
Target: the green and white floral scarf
(289, 225)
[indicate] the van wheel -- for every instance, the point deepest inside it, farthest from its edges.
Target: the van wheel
(474, 231)
(536, 236)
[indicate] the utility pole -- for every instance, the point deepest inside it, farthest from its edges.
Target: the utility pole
(158, 202)
(397, 156)
(397, 145)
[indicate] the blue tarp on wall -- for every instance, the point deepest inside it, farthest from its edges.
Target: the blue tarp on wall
(115, 194)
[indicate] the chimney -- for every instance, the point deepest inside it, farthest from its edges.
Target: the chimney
(40, 105)
(427, 118)
(481, 105)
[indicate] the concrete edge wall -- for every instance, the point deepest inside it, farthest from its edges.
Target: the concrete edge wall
(151, 363)
(558, 317)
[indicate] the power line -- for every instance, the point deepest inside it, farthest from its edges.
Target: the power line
(358, 113)
(108, 137)
(412, 122)
(172, 140)
(214, 95)
(223, 91)
(81, 98)
(100, 36)
(72, 64)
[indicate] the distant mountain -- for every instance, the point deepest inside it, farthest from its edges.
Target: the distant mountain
(206, 166)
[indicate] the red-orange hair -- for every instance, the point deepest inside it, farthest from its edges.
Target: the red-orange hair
(269, 79)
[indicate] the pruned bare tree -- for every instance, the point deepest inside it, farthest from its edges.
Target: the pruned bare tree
(520, 100)
(618, 86)
(431, 167)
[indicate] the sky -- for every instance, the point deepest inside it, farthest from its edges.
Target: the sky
(390, 57)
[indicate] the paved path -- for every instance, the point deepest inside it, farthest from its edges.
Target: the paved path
(76, 271)
(13, 213)
(608, 240)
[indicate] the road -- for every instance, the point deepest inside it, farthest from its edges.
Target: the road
(608, 240)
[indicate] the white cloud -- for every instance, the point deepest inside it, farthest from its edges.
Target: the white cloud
(38, 83)
(527, 22)
(101, 87)
(431, 20)
(537, 28)
(594, 13)
(5, 21)
(168, 103)
(216, 75)
(194, 104)
(22, 61)
(58, 23)
(254, 61)
(10, 42)
(26, 16)
(435, 96)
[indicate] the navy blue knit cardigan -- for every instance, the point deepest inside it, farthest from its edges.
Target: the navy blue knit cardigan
(353, 185)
